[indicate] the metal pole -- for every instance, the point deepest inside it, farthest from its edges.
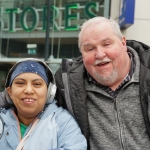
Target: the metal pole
(47, 30)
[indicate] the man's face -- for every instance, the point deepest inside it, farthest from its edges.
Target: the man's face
(104, 54)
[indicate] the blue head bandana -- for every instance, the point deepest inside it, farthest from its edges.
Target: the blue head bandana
(29, 66)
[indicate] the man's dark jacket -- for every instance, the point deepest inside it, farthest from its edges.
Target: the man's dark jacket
(71, 93)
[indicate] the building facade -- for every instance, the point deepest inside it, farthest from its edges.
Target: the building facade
(24, 32)
(24, 28)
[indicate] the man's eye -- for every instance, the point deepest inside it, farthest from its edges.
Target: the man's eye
(89, 48)
(106, 44)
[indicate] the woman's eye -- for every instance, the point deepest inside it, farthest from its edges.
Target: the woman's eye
(37, 84)
(20, 83)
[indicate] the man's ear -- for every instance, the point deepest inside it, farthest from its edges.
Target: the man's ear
(124, 43)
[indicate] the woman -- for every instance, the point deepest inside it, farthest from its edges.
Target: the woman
(34, 122)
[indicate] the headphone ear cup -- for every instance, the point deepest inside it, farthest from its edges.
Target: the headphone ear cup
(51, 93)
(7, 97)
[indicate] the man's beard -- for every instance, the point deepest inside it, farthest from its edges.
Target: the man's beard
(106, 80)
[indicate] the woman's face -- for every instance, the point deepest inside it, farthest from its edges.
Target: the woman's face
(29, 94)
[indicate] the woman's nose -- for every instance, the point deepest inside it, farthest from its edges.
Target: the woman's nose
(28, 89)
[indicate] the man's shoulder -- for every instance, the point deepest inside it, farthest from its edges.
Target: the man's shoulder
(72, 64)
(142, 49)
(70, 67)
(138, 46)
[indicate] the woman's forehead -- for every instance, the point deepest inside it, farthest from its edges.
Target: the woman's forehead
(29, 75)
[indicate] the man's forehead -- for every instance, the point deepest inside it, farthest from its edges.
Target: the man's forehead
(88, 43)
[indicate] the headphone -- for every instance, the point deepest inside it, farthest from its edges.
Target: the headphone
(52, 84)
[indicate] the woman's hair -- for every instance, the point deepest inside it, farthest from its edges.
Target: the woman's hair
(98, 20)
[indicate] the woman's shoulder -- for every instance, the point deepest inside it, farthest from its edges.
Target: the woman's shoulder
(8, 116)
(5, 112)
(58, 110)
(62, 116)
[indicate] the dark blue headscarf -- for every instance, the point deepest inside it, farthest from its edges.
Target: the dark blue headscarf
(29, 66)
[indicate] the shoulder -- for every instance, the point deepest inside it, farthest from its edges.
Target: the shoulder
(67, 64)
(62, 116)
(4, 98)
(7, 116)
(139, 47)
(67, 130)
(5, 112)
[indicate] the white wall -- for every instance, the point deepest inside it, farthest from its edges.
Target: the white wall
(140, 30)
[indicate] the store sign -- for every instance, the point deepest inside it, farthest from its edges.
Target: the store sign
(32, 49)
(68, 15)
(126, 17)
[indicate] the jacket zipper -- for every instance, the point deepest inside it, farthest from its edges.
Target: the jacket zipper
(118, 121)
(117, 115)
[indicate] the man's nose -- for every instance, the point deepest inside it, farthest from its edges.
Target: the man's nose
(100, 53)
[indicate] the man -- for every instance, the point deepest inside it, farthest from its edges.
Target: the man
(107, 88)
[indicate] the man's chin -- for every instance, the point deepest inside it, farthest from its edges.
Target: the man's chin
(106, 79)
